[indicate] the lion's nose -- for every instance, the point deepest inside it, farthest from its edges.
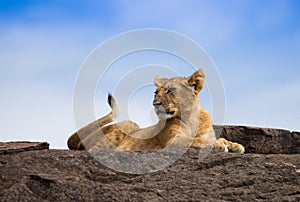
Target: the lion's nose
(156, 103)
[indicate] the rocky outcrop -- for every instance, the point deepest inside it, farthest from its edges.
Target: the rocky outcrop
(16, 147)
(63, 175)
(262, 140)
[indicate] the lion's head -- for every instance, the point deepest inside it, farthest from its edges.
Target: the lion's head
(178, 97)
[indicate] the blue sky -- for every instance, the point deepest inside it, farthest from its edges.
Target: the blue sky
(254, 44)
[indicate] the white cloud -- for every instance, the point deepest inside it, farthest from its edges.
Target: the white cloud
(36, 113)
(38, 69)
(271, 107)
(204, 21)
(30, 49)
(39, 63)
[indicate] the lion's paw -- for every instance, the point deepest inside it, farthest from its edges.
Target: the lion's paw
(237, 148)
(224, 145)
(220, 145)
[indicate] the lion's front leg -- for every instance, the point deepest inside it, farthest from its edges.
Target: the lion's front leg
(224, 145)
(187, 141)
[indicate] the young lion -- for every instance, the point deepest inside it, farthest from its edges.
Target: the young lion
(182, 122)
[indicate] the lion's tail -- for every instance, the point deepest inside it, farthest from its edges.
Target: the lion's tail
(74, 141)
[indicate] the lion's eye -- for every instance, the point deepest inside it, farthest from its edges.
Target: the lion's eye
(171, 90)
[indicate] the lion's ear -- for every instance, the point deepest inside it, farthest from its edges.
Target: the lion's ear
(158, 81)
(196, 80)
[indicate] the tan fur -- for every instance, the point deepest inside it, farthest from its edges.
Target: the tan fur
(182, 122)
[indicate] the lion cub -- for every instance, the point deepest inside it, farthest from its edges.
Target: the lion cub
(182, 122)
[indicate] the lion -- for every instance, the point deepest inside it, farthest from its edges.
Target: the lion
(181, 122)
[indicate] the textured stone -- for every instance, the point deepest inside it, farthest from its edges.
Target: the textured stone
(64, 175)
(32, 172)
(15, 147)
(262, 140)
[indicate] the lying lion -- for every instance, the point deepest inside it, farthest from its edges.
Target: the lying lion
(182, 122)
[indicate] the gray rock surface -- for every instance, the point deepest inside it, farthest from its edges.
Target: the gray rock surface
(15, 147)
(64, 175)
(262, 140)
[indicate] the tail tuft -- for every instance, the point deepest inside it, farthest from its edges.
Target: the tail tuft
(75, 141)
(109, 99)
(113, 104)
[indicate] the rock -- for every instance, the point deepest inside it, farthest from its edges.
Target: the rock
(262, 140)
(64, 175)
(15, 147)
(32, 172)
